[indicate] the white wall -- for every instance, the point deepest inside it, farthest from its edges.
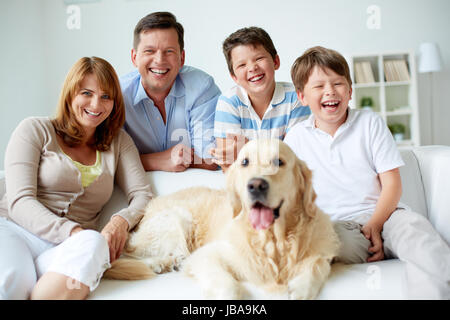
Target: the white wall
(38, 49)
(22, 87)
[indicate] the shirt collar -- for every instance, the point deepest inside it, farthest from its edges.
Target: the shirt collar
(278, 95)
(140, 94)
(176, 91)
(352, 114)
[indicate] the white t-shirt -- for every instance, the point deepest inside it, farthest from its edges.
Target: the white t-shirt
(346, 167)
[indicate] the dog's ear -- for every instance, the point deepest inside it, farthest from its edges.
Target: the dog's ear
(305, 188)
(233, 195)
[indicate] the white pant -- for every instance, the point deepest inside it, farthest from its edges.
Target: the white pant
(411, 238)
(24, 258)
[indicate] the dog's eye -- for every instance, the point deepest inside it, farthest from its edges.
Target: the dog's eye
(278, 162)
(245, 162)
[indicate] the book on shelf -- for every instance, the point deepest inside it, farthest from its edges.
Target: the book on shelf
(388, 71)
(396, 70)
(402, 70)
(363, 72)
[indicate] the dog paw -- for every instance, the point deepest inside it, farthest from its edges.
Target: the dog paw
(302, 290)
(218, 292)
(165, 264)
(157, 265)
(176, 262)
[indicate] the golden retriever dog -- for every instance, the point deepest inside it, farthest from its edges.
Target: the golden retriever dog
(264, 229)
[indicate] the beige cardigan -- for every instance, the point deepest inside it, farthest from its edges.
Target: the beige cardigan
(44, 194)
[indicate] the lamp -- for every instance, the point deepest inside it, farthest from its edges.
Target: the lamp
(430, 61)
(430, 58)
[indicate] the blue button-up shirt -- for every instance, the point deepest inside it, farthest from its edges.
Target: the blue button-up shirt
(190, 107)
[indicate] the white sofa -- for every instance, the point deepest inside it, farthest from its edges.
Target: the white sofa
(426, 181)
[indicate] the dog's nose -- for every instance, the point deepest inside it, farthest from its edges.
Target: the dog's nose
(258, 187)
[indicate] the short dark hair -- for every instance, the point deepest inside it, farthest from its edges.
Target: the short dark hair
(158, 20)
(245, 36)
(321, 57)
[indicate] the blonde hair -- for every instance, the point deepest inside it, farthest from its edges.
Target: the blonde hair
(65, 123)
(321, 57)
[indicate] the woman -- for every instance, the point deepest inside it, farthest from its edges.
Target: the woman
(59, 174)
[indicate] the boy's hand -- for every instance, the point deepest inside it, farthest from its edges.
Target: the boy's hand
(227, 149)
(391, 190)
(372, 232)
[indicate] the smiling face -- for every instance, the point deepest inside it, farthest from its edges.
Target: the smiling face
(159, 59)
(327, 94)
(91, 105)
(254, 69)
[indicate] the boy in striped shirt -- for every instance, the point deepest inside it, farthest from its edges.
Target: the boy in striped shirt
(257, 107)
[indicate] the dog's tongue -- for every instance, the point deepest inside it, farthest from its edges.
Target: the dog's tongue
(261, 217)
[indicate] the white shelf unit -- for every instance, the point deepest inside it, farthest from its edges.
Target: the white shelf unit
(395, 101)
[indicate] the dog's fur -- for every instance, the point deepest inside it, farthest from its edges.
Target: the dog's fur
(293, 253)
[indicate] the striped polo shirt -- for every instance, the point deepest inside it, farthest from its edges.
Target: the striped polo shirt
(235, 114)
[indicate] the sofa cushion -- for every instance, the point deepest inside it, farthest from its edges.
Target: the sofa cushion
(378, 280)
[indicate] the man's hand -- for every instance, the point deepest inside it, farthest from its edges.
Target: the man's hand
(372, 232)
(227, 149)
(176, 159)
(115, 233)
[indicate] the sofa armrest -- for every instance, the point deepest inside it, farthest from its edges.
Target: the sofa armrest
(434, 163)
(413, 194)
(2, 184)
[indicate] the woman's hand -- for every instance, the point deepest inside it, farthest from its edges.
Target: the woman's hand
(116, 233)
(76, 230)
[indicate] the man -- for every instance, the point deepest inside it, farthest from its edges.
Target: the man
(169, 107)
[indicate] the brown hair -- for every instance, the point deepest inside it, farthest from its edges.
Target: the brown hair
(65, 123)
(245, 36)
(158, 20)
(321, 57)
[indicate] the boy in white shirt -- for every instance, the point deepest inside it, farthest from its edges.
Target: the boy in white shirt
(355, 162)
